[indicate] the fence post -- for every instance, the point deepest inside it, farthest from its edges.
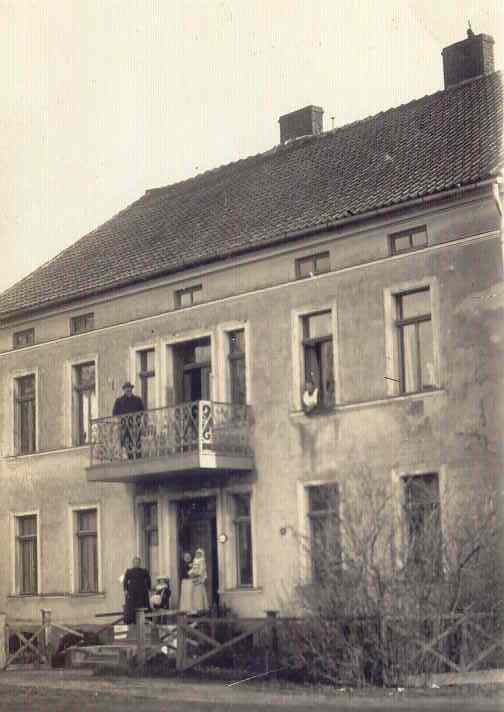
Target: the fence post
(272, 615)
(181, 641)
(45, 648)
(4, 641)
(140, 624)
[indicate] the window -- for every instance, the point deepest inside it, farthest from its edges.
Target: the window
(414, 341)
(187, 297)
(23, 338)
(324, 530)
(243, 539)
(147, 377)
(408, 240)
(26, 554)
(84, 322)
(314, 264)
(423, 523)
(86, 532)
(25, 414)
(84, 401)
(237, 372)
(192, 364)
(149, 539)
(319, 356)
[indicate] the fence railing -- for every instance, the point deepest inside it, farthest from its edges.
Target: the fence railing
(199, 426)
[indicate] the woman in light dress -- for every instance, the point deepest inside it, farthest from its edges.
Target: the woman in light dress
(194, 597)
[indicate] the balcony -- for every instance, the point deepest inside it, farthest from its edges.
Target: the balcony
(201, 436)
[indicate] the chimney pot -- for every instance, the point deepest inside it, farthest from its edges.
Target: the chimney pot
(303, 122)
(467, 59)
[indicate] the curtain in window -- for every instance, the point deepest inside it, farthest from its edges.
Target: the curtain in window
(27, 554)
(88, 551)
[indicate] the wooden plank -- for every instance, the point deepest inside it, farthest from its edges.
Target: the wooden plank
(26, 644)
(198, 634)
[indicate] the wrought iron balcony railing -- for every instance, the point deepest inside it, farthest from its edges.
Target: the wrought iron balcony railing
(203, 427)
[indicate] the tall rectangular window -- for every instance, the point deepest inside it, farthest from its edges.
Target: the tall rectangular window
(324, 529)
(319, 356)
(84, 401)
(26, 554)
(86, 532)
(243, 539)
(312, 265)
(147, 377)
(415, 341)
(23, 338)
(81, 323)
(237, 370)
(423, 523)
(150, 538)
(25, 414)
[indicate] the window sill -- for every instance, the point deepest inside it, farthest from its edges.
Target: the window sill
(96, 594)
(39, 453)
(351, 405)
(241, 589)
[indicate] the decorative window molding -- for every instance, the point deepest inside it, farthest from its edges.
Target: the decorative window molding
(188, 296)
(85, 549)
(306, 346)
(227, 360)
(25, 553)
(312, 265)
(412, 358)
(170, 379)
(25, 412)
(81, 323)
(239, 545)
(73, 411)
(23, 338)
(144, 373)
(408, 240)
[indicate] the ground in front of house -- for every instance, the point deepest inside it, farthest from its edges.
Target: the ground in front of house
(80, 691)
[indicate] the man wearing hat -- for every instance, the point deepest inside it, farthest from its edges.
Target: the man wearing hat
(131, 425)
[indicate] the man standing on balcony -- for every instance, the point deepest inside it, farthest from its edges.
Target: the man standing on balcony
(131, 425)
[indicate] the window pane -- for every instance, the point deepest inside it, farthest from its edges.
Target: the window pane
(150, 393)
(419, 238)
(312, 364)
(238, 381)
(185, 299)
(323, 498)
(242, 505)
(424, 525)
(305, 267)
(86, 375)
(318, 325)
(426, 355)
(26, 386)
(86, 520)
(88, 563)
(27, 425)
(237, 342)
(322, 263)
(410, 358)
(415, 304)
(327, 373)
(202, 353)
(27, 554)
(27, 526)
(244, 550)
(401, 243)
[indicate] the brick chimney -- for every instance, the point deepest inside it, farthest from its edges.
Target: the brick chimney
(469, 58)
(303, 122)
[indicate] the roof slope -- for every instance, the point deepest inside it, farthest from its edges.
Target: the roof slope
(451, 138)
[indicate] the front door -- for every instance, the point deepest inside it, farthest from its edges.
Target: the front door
(197, 529)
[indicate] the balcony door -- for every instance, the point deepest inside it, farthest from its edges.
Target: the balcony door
(193, 367)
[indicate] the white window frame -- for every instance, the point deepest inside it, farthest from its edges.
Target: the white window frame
(14, 376)
(133, 369)
(305, 567)
(298, 365)
(228, 549)
(139, 503)
(74, 570)
(167, 362)
(14, 516)
(392, 355)
(69, 366)
(224, 382)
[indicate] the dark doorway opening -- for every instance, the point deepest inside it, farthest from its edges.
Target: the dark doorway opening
(197, 528)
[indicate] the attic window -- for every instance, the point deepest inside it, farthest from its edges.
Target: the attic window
(81, 323)
(187, 297)
(23, 338)
(314, 264)
(408, 240)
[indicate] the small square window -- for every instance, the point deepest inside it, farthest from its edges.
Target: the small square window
(81, 323)
(408, 240)
(187, 297)
(312, 265)
(23, 338)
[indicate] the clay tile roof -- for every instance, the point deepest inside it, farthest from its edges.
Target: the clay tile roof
(448, 139)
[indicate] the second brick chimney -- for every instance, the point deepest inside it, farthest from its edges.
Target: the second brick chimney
(303, 122)
(467, 59)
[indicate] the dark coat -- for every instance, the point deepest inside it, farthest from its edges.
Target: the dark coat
(125, 405)
(136, 586)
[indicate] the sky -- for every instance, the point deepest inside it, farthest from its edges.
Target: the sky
(103, 99)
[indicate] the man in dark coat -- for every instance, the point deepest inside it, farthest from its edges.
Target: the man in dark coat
(136, 586)
(131, 425)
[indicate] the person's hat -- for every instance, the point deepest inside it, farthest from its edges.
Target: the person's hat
(128, 385)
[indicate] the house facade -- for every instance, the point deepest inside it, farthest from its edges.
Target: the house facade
(367, 260)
